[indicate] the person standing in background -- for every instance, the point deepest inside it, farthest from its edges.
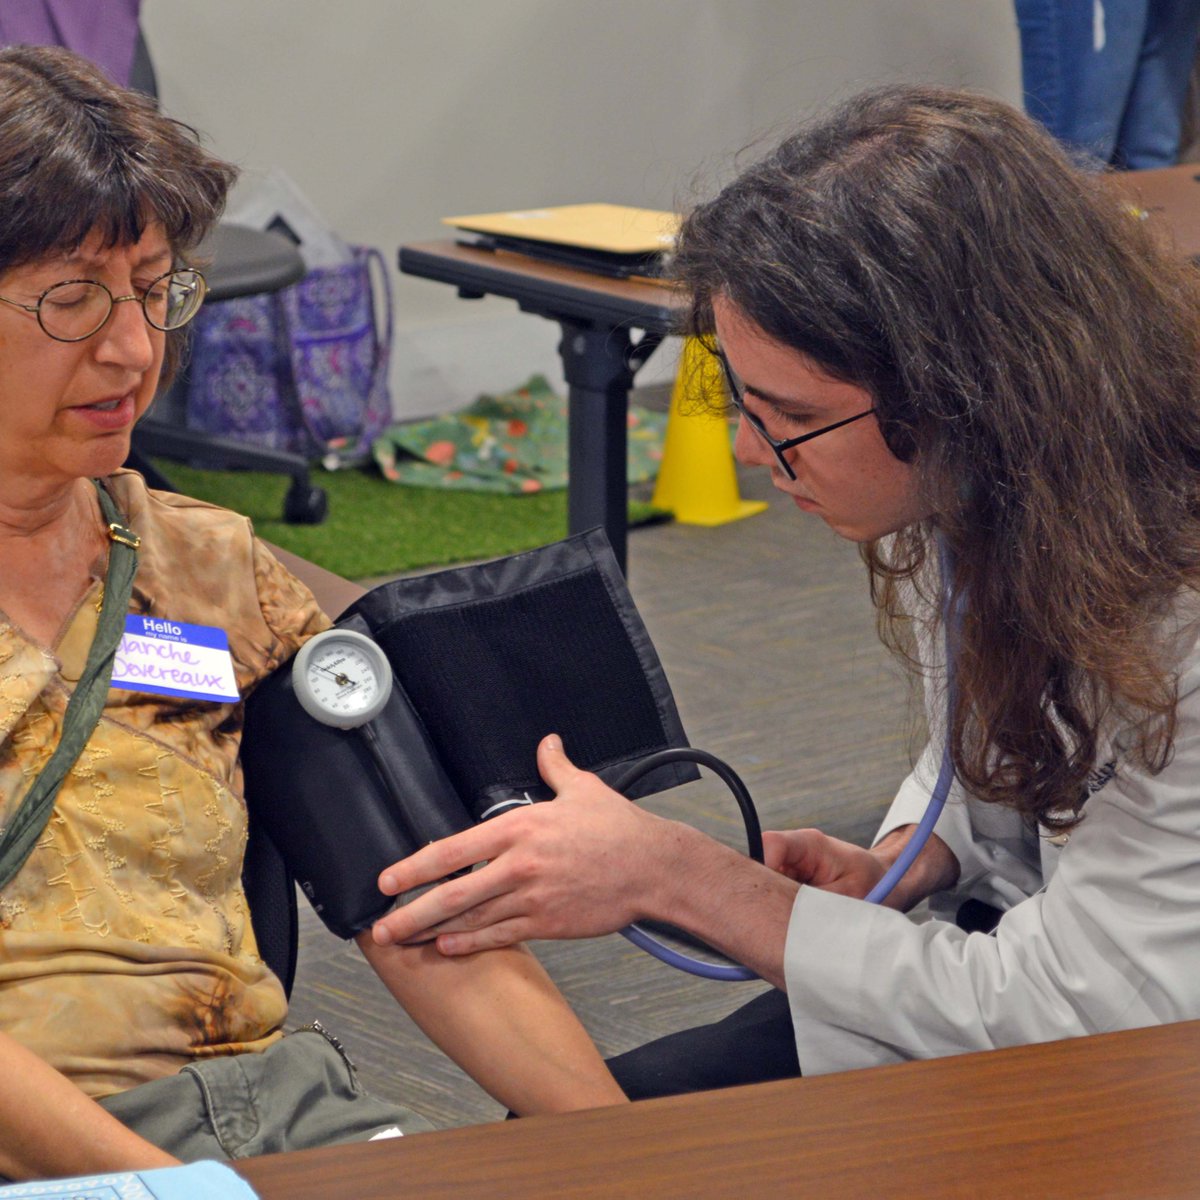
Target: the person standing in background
(1109, 77)
(105, 33)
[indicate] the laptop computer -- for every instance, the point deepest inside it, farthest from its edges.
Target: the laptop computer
(610, 239)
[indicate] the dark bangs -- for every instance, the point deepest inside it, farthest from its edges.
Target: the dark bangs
(79, 155)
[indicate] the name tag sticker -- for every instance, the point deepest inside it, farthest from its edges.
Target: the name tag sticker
(171, 658)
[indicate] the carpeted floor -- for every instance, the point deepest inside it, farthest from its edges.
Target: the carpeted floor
(767, 636)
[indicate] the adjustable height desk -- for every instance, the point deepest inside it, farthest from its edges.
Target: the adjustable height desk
(599, 354)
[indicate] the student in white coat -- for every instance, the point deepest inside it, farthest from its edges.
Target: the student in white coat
(948, 344)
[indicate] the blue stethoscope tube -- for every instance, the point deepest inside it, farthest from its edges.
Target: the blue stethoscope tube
(754, 847)
(937, 801)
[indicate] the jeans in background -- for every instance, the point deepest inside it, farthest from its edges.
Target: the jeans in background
(1109, 77)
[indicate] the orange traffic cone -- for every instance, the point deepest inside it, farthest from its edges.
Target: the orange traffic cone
(696, 481)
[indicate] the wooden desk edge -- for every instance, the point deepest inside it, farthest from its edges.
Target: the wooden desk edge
(1114, 1115)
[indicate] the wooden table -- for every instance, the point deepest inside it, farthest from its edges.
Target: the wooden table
(599, 355)
(1170, 196)
(1117, 1115)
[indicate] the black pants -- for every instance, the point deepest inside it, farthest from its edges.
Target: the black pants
(753, 1044)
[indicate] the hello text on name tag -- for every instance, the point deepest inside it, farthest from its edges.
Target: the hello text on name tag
(171, 658)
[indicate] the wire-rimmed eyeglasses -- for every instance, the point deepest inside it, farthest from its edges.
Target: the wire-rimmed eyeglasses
(77, 308)
(779, 447)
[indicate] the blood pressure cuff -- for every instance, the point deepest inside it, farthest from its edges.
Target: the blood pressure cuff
(487, 660)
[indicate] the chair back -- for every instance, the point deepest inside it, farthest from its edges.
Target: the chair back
(271, 896)
(270, 889)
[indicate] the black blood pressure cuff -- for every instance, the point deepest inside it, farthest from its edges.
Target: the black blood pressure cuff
(487, 660)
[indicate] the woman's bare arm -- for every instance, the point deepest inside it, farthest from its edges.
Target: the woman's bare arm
(50, 1129)
(498, 1015)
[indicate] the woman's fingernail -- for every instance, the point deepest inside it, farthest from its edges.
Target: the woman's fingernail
(387, 883)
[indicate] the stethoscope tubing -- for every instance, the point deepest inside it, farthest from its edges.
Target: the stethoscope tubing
(754, 848)
(880, 892)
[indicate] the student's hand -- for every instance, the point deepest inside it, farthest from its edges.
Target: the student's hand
(812, 857)
(585, 864)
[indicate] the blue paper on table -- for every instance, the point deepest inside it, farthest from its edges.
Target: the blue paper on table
(198, 1181)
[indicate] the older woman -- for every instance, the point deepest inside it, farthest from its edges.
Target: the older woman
(130, 983)
(971, 359)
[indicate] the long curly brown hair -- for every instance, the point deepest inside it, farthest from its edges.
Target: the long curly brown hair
(1033, 353)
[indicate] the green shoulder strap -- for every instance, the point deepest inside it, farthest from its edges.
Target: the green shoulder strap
(20, 835)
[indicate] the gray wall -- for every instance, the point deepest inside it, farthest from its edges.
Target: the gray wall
(391, 113)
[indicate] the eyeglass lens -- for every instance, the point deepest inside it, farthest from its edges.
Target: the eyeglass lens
(78, 308)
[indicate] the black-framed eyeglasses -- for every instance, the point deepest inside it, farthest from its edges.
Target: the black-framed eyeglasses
(779, 447)
(77, 308)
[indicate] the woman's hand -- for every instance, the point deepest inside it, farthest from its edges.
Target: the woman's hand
(586, 864)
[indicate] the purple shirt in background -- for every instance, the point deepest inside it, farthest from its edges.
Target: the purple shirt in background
(104, 31)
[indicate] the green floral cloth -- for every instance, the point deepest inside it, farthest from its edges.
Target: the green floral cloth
(515, 442)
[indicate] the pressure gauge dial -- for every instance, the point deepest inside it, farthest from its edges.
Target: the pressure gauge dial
(341, 678)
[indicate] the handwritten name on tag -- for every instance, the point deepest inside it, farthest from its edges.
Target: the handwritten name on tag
(171, 658)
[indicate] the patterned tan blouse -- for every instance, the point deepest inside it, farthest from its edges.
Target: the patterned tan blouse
(125, 943)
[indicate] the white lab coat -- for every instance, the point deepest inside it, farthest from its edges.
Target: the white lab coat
(1101, 933)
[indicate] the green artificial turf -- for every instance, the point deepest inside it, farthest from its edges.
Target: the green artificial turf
(378, 528)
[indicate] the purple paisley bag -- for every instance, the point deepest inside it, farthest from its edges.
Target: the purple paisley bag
(304, 369)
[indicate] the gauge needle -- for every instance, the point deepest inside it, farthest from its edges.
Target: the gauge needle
(339, 678)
